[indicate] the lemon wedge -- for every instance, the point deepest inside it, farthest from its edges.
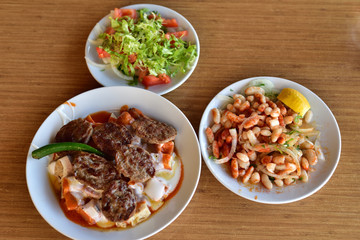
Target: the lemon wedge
(294, 100)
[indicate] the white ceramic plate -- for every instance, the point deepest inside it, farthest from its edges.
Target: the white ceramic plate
(111, 99)
(107, 77)
(330, 141)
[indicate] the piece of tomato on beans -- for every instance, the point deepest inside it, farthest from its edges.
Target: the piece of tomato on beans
(102, 53)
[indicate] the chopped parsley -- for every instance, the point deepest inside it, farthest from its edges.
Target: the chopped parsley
(286, 144)
(292, 132)
(297, 118)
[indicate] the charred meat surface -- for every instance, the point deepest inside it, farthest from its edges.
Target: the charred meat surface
(94, 170)
(153, 131)
(110, 137)
(118, 201)
(135, 163)
(78, 130)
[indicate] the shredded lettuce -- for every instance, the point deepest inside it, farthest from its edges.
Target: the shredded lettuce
(146, 38)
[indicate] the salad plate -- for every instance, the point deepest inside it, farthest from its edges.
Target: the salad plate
(330, 141)
(111, 99)
(106, 76)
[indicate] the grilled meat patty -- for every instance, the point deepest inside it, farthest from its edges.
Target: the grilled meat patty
(78, 130)
(118, 202)
(135, 163)
(152, 131)
(110, 137)
(94, 170)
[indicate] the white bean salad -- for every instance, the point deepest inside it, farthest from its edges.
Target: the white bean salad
(263, 140)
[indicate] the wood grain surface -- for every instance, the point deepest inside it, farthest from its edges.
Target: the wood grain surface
(314, 43)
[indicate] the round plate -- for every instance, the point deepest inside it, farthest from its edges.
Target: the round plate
(111, 99)
(329, 138)
(107, 77)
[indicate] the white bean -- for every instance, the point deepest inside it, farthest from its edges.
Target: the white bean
(308, 116)
(266, 181)
(265, 132)
(255, 178)
(279, 182)
(242, 157)
(304, 176)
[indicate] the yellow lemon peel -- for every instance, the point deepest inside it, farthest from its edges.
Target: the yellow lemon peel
(294, 100)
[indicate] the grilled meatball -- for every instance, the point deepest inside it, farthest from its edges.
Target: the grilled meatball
(93, 170)
(78, 130)
(153, 131)
(135, 163)
(118, 201)
(109, 137)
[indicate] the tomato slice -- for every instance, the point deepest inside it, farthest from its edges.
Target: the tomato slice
(179, 34)
(170, 23)
(165, 78)
(142, 73)
(118, 13)
(102, 53)
(110, 30)
(132, 58)
(151, 80)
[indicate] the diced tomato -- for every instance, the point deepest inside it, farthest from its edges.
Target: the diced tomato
(151, 16)
(70, 201)
(167, 161)
(170, 23)
(225, 150)
(176, 34)
(135, 113)
(168, 147)
(118, 13)
(125, 118)
(99, 117)
(124, 108)
(85, 216)
(141, 73)
(132, 58)
(151, 80)
(165, 78)
(102, 53)
(110, 30)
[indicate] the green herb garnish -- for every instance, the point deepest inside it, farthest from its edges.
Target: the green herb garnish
(297, 118)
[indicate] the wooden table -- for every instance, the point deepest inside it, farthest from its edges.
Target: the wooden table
(314, 43)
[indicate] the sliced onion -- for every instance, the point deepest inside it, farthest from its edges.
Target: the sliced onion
(99, 65)
(98, 29)
(318, 150)
(233, 134)
(274, 175)
(243, 123)
(294, 154)
(96, 42)
(120, 74)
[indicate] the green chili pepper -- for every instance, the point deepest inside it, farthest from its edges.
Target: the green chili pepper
(63, 146)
